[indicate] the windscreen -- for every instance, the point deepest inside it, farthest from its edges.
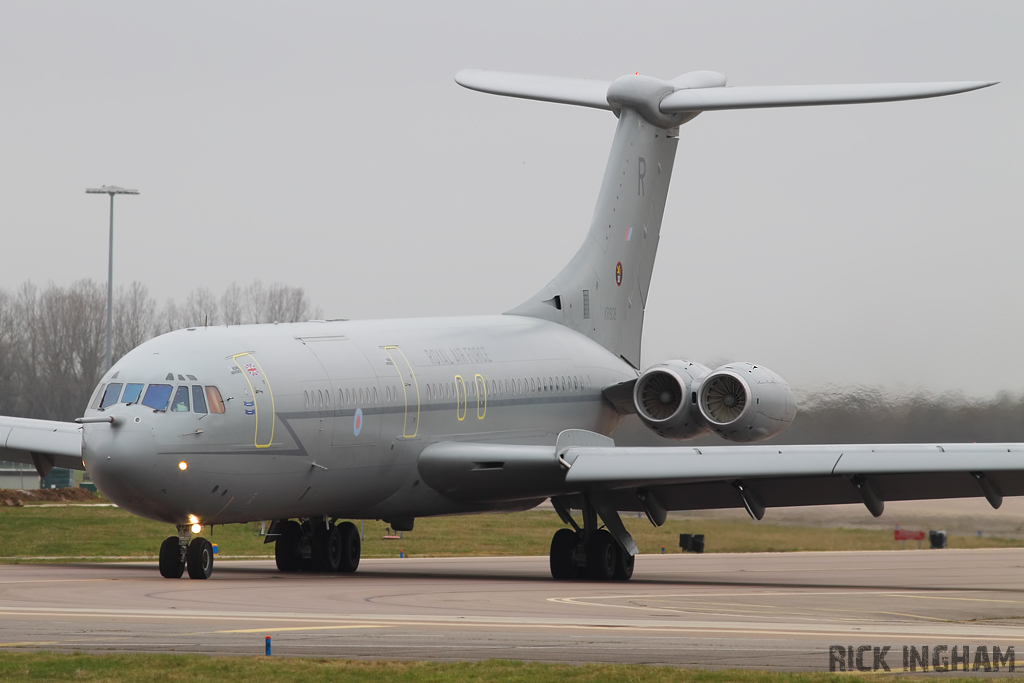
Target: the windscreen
(157, 395)
(132, 393)
(110, 395)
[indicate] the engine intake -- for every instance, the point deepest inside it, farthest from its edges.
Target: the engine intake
(663, 399)
(745, 402)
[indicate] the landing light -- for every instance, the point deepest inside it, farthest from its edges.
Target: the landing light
(196, 528)
(182, 465)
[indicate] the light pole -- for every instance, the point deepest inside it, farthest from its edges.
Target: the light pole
(111, 190)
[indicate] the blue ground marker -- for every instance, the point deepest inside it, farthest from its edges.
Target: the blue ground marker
(268, 646)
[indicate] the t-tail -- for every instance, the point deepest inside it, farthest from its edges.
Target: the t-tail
(603, 290)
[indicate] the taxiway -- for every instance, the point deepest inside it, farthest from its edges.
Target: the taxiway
(776, 611)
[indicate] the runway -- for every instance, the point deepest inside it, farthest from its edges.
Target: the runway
(772, 610)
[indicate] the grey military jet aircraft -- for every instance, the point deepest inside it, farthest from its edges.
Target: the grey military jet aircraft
(303, 425)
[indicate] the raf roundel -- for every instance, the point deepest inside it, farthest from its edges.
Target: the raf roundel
(357, 422)
(618, 274)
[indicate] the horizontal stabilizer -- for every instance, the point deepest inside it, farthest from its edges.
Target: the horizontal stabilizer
(759, 97)
(578, 91)
(700, 91)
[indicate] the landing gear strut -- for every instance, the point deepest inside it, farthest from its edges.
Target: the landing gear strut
(177, 553)
(317, 545)
(588, 552)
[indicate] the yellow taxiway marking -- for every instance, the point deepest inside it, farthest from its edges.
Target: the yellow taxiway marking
(290, 628)
(47, 642)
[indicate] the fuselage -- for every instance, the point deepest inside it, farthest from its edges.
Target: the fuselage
(252, 422)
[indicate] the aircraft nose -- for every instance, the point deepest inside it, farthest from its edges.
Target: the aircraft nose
(121, 459)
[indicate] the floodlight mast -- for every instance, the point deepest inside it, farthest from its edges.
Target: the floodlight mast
(110, 190)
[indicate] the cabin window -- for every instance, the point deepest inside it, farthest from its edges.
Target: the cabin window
(132, 393)
(575, 383)
(319, 398)
(180, 402)
(99, 397)
(214, 399)
(348, 397)
(533, 387)
(111, 395)
(327, 397)
(305, 399)
(198, 400)
(360, 396)
(157, 395)
(375, 396)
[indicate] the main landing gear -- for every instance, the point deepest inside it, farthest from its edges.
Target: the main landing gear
(589, 552)
(178, 552)
(316, 545)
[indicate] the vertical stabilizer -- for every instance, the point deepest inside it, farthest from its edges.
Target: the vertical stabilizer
(603, 291)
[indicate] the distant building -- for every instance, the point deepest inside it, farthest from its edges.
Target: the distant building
(16, 475)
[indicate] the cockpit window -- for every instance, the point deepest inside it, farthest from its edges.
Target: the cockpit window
(180, 402)
(216, 402)
(157, 395)
(99, 397)
(132, 393)
(111, 395)
(198, 400)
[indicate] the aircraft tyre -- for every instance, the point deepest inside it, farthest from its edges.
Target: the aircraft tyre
(326, 548)
(286, 548)
(562, 546)
(351, 547)
(602, 556)
(623, 565)
(171, 566)
(199, 558)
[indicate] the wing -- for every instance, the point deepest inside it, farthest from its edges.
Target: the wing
(43, 443)
(752, 477)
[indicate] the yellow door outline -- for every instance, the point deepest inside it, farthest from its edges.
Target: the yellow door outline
(405, 391)
(481, 391)
(255, 403)
(461, 398)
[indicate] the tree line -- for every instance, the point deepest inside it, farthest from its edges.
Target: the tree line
(873, 415)
(53, 338)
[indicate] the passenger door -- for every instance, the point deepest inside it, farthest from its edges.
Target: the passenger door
(260, 401)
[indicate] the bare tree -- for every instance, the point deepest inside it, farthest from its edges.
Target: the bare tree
(232, 303)
(200, 308)
(256, 302)
(169, 319)
(134, 317)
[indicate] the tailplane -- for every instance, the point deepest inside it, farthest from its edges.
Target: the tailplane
(603, 291)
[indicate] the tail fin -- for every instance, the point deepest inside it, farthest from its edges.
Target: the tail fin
(603, 290)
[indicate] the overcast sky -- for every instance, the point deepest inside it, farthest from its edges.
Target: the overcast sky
(327, 146)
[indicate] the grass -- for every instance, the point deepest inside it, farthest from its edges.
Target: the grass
(85, 532)
(145, 668)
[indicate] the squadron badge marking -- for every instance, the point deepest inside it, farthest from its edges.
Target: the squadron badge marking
(618, 274)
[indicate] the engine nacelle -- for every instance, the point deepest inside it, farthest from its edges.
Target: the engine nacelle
(664, 399)
(745, 402)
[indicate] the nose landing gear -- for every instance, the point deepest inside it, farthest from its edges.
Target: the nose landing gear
(177, 553)
(316, 545)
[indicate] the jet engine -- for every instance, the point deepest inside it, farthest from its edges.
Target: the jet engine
(664, 399)
(745, 402)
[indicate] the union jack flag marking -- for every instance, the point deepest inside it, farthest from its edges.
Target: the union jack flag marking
(251, 369)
